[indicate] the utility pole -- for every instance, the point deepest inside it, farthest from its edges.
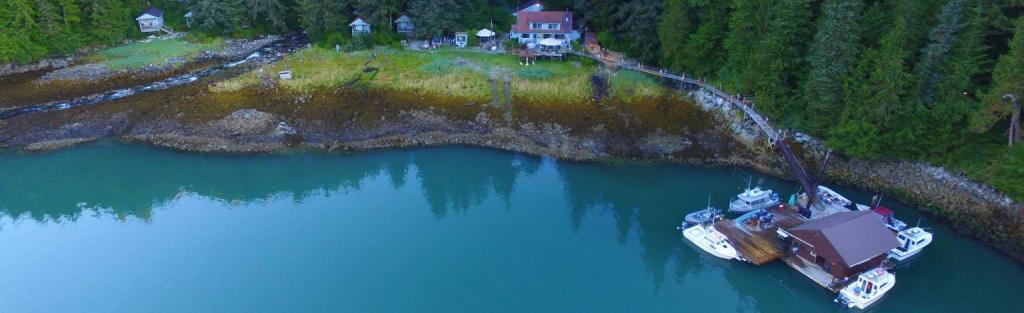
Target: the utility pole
(1015, 130)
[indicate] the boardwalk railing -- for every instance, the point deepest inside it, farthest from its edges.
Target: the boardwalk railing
(773, 135)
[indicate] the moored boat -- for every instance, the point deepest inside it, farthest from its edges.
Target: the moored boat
(829, 197)
(889, 218)
(869, 287)
(705, 216)
(753, 199)
(708, 238)
(912, 241)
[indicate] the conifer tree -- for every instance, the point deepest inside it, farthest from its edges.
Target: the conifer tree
(779, 56)
(637, 21)
(749, 23)
(320, 17)
(434, 17)
(873, 93)
(831, 56)
(674, 28)
(942, 38)
(1007, 79)
(956, 95)
(704, 47)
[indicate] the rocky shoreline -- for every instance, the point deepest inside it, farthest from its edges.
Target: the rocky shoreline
(973, 209)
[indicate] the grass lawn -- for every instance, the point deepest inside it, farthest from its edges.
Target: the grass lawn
(447, 72)
(157, 51)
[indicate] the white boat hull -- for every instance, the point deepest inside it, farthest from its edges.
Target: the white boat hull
(914, 249)
(851, 299)
(697, 236)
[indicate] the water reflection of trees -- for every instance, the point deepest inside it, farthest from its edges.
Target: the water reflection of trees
(129, 181)
(454, 181)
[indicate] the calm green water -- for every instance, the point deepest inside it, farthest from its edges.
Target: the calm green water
(124, 228)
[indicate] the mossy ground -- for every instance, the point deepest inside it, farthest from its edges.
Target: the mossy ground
(446, 72)
(154, 52)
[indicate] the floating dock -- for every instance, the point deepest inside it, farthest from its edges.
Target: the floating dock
(759, 246)
(814, 272)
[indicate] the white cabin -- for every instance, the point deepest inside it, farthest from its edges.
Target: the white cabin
(359, 27)
(403, 25)
(151, 20)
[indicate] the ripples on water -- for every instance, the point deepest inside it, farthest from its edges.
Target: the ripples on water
(126, 228)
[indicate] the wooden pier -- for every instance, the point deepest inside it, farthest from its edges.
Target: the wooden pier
(760, 246)
(774, 136)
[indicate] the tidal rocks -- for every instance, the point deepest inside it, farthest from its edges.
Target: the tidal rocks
(53, 63)
(247, 122)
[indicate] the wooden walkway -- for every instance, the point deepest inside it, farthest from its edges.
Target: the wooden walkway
(774, 136)
(759, 246)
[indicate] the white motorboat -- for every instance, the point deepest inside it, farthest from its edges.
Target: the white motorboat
(754, 199)
(829, 197)
(889, 218)
(869, 287)
(708, 238)
(912, 241)
(705, 216)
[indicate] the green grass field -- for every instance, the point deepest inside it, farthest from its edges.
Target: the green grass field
(141, 54)
(447, 72)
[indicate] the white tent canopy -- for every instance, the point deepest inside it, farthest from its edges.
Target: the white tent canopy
(485, 33)
(550, 42)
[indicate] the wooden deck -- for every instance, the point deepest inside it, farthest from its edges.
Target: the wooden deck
(813, 271)
(759, 246)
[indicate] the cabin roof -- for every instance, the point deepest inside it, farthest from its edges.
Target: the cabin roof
(403, 19)
(151, 11)
(850, 237)
(525, 18)
(359, 21)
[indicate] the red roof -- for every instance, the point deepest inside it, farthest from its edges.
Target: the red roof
(524, 19)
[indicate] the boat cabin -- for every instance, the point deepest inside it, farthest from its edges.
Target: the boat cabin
(871, 282)
(151, 20)
(754, 199)
(889, 218)
(359, 27)
(403, 25)
(842, 244)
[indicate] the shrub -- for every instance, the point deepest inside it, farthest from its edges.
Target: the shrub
(511, 44)
(534, 73)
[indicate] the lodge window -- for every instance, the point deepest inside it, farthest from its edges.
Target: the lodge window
(525, 36)
(535, 26)
(559, 36)
(554, 26)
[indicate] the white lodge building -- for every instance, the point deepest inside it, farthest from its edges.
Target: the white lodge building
(531, 27)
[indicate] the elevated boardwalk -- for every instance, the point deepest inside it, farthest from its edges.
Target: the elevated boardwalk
(760, 246)
(775, 137)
